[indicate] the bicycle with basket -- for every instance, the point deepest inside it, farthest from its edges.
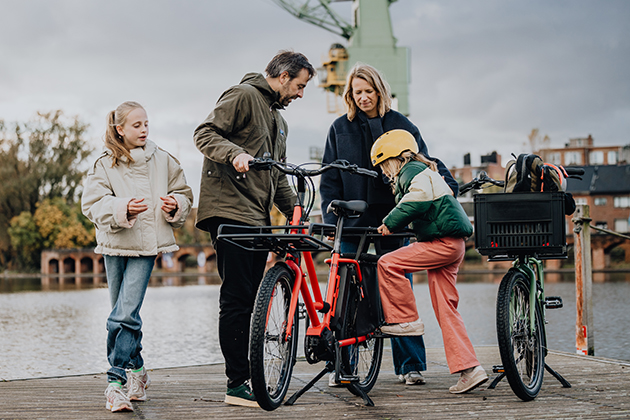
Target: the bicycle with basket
(342, 327)
(526, 228)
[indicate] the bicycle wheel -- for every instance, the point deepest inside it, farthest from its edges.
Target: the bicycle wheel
(522, 350)
(272, 354)
(362, 359)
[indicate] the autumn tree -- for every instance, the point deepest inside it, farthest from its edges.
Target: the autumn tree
(40, 159)
(55, 224)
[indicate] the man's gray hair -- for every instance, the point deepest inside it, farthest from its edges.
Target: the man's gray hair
(291, 62)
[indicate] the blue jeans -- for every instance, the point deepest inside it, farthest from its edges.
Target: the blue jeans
(408, 353)
(127, 281)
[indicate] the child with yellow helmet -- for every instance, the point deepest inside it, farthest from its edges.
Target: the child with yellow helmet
(424, 201)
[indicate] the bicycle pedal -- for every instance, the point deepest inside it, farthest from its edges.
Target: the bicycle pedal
(498, 369)
(348, 379)
(553, 302)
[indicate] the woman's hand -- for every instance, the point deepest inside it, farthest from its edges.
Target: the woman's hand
(383, 230)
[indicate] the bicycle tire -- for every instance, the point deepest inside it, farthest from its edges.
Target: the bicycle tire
(362, 359)
(522, 352)
(271, 356)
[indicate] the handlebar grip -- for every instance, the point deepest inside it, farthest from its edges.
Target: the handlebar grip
(574, 171)
(464, 188)
(367, 172)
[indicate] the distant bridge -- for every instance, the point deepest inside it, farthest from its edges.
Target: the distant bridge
(78, 264)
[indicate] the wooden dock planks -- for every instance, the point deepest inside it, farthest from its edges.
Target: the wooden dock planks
(601, 389)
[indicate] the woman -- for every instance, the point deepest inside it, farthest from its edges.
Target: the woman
(368, 101)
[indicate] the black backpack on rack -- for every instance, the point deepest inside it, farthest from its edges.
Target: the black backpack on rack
(528, 173)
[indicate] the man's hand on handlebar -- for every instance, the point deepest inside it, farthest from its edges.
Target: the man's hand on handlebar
(241, 162)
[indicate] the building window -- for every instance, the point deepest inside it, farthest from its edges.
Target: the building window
(621, 202)
(600, 201)
(601, 225)
(612, 157)
(581, 200)
(621, 225)
(596, 157)
(572, 158)
(555, 158)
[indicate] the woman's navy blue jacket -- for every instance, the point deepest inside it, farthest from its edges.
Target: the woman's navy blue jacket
(352, 141)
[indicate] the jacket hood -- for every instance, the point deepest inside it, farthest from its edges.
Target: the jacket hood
(137, 153)
(259, 82)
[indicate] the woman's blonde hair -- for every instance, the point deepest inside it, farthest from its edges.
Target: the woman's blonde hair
(113, 140)
(391, 167)
(376, 80)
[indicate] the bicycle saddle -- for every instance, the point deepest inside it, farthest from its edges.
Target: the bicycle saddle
(350, 209)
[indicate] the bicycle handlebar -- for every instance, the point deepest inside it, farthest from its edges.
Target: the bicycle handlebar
(266, 163)
(574, 171)
(478, 182)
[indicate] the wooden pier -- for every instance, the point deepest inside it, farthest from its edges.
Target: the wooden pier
(600, 390)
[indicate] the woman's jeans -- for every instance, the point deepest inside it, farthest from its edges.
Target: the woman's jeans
(127, 280)
(408, 353)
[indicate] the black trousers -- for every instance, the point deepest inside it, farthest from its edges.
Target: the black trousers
(241, 273)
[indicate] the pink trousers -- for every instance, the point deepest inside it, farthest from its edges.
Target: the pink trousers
(441, 258)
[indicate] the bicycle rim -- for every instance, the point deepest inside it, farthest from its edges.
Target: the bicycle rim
(522, 352)
(362, 359)
(272, 354)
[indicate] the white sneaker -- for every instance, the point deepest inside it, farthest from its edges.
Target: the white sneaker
(331, 380)
(412, 378)
(117, 400)
(469, 379)
(404, 328)
(137, 385)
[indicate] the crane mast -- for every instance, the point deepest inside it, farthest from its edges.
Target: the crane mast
(370, 40)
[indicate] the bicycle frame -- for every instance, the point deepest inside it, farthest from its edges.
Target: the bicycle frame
(536, 289)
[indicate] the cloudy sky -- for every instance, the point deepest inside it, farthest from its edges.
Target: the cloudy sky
(483, 73)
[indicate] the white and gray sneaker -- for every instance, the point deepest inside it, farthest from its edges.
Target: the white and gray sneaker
(117, 400)
(412, 378)
(137, 385)
(469, 379)
(332, 382)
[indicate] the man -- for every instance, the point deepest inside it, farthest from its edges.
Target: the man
(244, 124)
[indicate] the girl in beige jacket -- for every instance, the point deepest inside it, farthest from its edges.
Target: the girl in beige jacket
(135, 194)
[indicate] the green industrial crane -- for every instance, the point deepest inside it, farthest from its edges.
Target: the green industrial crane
(370, 40)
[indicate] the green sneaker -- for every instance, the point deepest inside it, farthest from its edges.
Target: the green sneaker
(241, 395)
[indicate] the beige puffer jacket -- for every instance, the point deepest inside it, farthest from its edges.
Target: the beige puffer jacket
(107, 191)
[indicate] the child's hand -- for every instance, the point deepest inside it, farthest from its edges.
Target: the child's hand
(169, 204)
(135, 207)
(383, 230)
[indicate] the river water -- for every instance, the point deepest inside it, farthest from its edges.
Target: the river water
(60, 330)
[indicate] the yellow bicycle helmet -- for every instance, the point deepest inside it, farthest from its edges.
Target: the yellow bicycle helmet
(392, 144)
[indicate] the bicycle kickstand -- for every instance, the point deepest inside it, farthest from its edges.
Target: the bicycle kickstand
(329, 368)
(366, 398)
(564, 382)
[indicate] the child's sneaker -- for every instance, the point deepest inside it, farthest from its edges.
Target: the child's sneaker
(469, 379)
(241, 395)
(138, 383)
(116, 399)
(412, 378)
(332, 381)
(404, 328)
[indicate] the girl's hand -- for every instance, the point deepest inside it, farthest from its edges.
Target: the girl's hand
(383, 230)
(135, 207)
(169, 204)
